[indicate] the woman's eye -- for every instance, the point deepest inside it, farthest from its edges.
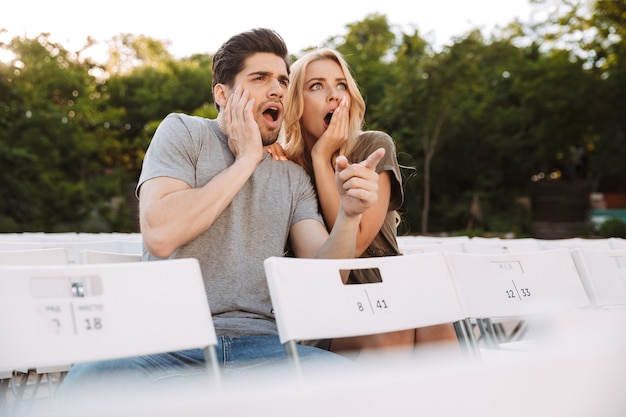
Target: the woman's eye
(316, 86)
(342, 86)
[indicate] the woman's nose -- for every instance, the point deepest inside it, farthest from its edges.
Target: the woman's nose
(335, 94)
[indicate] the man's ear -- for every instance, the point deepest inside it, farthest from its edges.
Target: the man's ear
(220, 95)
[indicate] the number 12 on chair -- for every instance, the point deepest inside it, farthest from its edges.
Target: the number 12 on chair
(516, 293)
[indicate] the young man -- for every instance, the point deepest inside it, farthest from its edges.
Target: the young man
(210, 190)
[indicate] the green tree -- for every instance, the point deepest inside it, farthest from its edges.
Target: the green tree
(147, 93)
(580, 59)
(412, 109)
(472, 122)
(46, 160)
(366, 47)
(608, 48)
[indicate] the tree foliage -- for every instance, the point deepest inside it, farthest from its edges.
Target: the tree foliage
(475, 122)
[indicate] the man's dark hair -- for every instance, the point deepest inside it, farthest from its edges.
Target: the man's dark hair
(229, 59)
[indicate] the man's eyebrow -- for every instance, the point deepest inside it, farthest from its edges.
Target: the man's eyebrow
(261, 73)
(267, 74)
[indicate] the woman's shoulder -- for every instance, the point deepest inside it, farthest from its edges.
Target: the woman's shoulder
(377, 137)
(370, 140)
(374, 135)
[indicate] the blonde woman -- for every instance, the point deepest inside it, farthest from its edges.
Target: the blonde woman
(324, 119)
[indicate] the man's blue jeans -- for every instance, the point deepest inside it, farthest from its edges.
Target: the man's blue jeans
(236, 356)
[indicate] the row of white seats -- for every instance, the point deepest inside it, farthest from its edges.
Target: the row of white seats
(438, 287)
(420, 244)
(64, 256)
(93, 311)
(606, 267)
(68, 236)
(32, 248)
(47, 250)
(57, 315)
(600, 263)
(601, 274)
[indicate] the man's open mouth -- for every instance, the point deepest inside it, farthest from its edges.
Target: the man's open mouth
(272, 112)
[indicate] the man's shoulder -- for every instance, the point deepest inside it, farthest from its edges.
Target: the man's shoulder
(196, 128)
(188, 120)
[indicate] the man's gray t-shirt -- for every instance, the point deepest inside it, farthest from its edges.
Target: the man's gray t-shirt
(253, 227)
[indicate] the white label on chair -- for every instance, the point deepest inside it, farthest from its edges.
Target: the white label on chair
(57, 317)
(515, 292)
(88, 316)
(70, 305)
(76, 317)
(511, 267)
(368, 277)
(371, 302)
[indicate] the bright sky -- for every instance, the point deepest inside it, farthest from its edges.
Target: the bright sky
(197, 26)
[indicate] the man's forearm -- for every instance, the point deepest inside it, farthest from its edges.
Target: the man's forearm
(342, 240)
(172, 219)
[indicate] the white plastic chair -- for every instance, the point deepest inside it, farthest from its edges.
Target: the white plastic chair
(311, 302)
(498, 245)
(475, 245)
(80, 313)
(617, 243)
(88, 256)
(575, 242)
(412, 248)
(603, 274)
(429, 240)
(74, 247)
(51, 256)
(516, 285)
(18, 379)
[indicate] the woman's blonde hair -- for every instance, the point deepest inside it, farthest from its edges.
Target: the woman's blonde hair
(294, 141)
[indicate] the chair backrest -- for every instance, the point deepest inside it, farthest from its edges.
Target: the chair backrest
(617, 243)
(501, 245)
(88, 256)
(411, 248)
(411, 240)
(575, 242)
(499, 285)
(603, 274)
(74, 247)
(80, 313)
(311, 301)
(51, 256)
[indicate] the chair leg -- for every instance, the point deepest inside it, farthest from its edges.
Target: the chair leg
(291, 350)
(4, 395)
(488, 332)
(212, 364)
(465, 333)
(519, 331)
